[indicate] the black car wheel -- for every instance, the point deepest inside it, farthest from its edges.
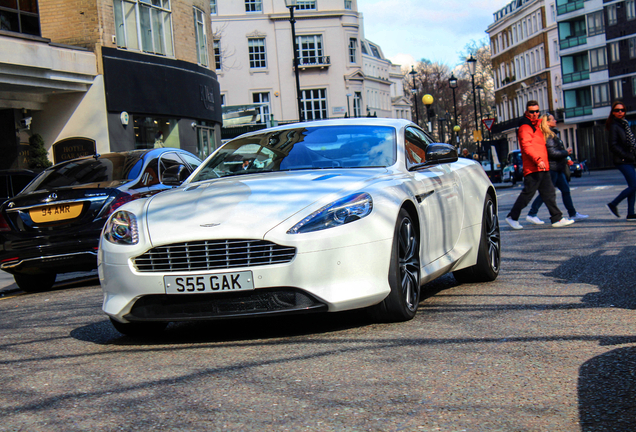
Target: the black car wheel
(404, 274)
(489, 253)
(35, 282)
(139, 329)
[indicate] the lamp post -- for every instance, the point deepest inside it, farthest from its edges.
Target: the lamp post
(414, 91)
(481, 117)
(291, 5)
(452, 82)
(472, 68)
(427, 100)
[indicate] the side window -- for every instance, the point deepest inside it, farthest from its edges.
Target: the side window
(168, 160)
(190, 160)
(415, 143)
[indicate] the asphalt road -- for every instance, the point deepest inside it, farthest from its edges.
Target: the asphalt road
(549, 346)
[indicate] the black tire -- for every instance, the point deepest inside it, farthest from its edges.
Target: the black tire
(404, 274)
(139, 329)
(33, 283)
(489, 254)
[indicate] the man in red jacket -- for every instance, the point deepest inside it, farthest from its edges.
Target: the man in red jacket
(536, 175)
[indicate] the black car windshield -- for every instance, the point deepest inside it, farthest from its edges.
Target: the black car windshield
(320, 147)
(108, 170)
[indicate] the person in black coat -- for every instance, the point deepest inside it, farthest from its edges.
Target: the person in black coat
(623, 146)
(557, 158)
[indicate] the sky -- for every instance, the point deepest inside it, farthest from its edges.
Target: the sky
(436, 30)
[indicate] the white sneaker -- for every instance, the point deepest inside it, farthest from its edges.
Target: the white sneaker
(513, 223)
(563, 223)
(578, 216)
(535, 220)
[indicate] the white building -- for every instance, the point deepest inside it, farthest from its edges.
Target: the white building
(341, 74)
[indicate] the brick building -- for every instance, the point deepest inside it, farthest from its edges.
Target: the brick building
(106, 75)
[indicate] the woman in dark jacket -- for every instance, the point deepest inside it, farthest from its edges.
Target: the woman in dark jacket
(557, 157)
(623, 145)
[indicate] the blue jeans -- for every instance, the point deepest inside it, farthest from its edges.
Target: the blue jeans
(561, 182)
(630, 192)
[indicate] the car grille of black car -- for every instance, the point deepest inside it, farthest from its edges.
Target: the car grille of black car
(213, 255)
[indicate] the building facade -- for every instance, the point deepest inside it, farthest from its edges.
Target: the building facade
(598, 51)
(107, 75)
(527, 66)
(341, 74)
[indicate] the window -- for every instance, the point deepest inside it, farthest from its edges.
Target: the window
(310, 49)
(22, 18)
(630, 9)
(256, 49)
(632, 48)
(615, 55)
(213, 10)
(598, 59)
(617, 87)
(201, 40)
(415, 144)
(306, 5)
(262, 98)
(611, 15)
(353, 50)
(357, 104)
(601, 95)
(348, 4)
(217, 54)
(144, 27)
(314, 104)
(253, 5)
(634, 86)
(595, 23)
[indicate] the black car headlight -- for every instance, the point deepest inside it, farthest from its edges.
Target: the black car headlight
(122, 228)
(341, 212)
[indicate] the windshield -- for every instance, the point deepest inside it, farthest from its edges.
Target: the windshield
(304, 148)
(109, 170)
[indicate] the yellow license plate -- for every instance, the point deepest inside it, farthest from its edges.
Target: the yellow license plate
(55, 212)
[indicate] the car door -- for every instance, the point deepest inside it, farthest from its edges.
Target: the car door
(439, 194)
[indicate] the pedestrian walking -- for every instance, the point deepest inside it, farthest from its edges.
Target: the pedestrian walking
(535, 170)
(558, 159)
(623, 145)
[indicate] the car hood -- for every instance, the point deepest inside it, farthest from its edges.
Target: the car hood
(245, 206)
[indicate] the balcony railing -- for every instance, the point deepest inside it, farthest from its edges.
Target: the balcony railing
(573, 41)
(576, 76)
(570, 6)
(314, 61)
(578, 111)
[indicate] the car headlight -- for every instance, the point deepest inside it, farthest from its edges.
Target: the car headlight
(341, 212)
(122, 228)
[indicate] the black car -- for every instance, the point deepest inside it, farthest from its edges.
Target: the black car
(53, 226)
(12, 181)
(513, 171)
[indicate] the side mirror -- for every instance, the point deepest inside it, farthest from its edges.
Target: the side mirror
(439, 153)
(175, 175)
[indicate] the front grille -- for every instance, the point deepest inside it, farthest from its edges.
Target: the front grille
(213, 255)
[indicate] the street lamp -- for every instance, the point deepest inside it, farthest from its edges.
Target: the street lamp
(414, 91)
(291, 5)
(472, 68)
(427, 100)
(452, 82)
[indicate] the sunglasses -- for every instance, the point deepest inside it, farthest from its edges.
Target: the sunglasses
(534, 112)
(618, 110)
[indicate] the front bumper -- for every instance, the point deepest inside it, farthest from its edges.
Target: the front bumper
(331, 279)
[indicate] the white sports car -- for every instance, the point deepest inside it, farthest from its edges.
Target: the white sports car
(320, 216)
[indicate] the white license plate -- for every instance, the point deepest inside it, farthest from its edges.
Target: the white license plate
(216, 283)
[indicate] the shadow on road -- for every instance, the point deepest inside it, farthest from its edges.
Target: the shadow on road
(607, 392)
(613, 274)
